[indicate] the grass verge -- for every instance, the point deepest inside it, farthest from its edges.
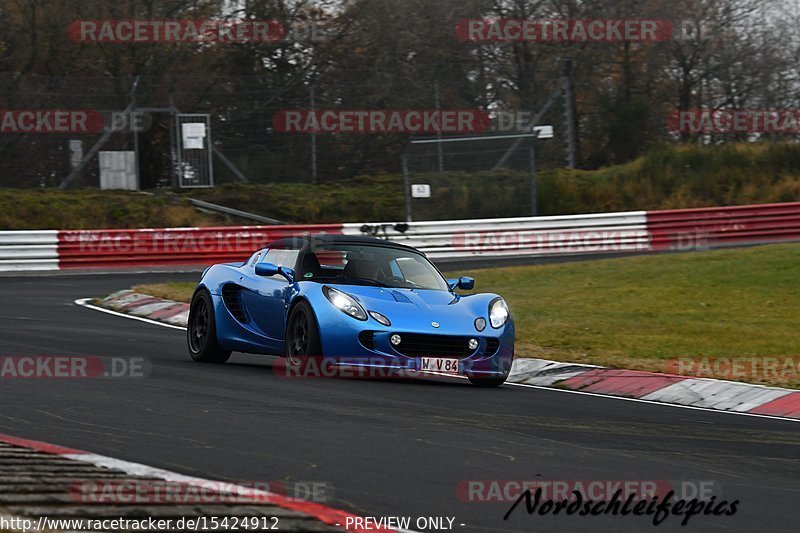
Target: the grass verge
(643, 312)
(33, 209)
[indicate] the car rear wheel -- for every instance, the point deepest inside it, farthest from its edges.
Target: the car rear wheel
(302, 335)
(201, 333)
(488, 382)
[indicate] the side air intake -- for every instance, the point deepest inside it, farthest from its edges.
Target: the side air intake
(232, 296)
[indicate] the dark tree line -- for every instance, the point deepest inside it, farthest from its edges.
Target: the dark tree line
(390, 54)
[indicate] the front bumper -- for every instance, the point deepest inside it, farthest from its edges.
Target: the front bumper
(371, 347)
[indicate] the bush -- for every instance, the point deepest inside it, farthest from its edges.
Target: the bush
(666, 177)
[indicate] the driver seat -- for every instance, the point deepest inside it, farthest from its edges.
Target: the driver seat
(356, 268)
(310, 267)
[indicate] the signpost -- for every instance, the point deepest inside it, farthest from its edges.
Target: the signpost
(75, 153)
(420, 190)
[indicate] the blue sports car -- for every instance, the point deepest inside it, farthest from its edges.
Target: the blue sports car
(356, 301)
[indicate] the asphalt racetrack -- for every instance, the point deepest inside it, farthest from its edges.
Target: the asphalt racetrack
(388, 448)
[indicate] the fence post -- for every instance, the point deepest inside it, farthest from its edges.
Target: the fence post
(406, 186)
(313, 102)
(439, 149)
(532, 172)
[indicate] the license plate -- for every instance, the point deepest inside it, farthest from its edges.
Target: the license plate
(439, 364)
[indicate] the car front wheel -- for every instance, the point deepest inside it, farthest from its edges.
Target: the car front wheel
(201, 332)
(302, 335)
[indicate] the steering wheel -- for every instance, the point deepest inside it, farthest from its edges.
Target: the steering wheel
(401, 281)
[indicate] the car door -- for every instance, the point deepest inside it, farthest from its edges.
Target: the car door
(266, 298)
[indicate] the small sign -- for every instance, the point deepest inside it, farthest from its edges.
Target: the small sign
(194, 133)
(545, 132)
(75, 152)
(420, 190)
(118, 170)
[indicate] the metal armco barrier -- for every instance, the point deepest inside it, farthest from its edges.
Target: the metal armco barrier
(606, 233)
(173, 246)
(28, 250)
(572, 234)
(688, 229)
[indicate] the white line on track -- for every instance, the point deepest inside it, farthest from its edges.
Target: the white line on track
(84, 302)
(652, 402)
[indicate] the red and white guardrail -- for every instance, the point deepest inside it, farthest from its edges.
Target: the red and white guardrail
(605, 233)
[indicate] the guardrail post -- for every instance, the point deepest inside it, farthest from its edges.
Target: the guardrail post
(406, 186)
(532, 174)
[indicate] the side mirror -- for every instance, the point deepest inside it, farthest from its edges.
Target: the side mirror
(268, 270)
(287, 273)
(464, 283)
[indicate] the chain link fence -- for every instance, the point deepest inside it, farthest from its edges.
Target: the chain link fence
(244, 112)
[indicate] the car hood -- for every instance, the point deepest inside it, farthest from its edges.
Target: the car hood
(418, 308)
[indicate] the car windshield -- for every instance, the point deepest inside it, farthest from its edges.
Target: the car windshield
(370, 265)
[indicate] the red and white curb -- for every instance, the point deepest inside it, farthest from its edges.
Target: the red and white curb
(323, 513)
(146, 306)
(665, 388)
(699, 393)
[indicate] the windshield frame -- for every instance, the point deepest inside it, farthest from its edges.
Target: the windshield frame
(365, 282)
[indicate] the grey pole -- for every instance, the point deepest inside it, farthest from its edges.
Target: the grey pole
(568, 112)
(313, 135)
(406, 186)
(173, 137)
(440, 152)
(532, 172)
(135, 134)
(545, 108)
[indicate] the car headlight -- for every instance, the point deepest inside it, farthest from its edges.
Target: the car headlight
(345, 303)
(498, 312)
